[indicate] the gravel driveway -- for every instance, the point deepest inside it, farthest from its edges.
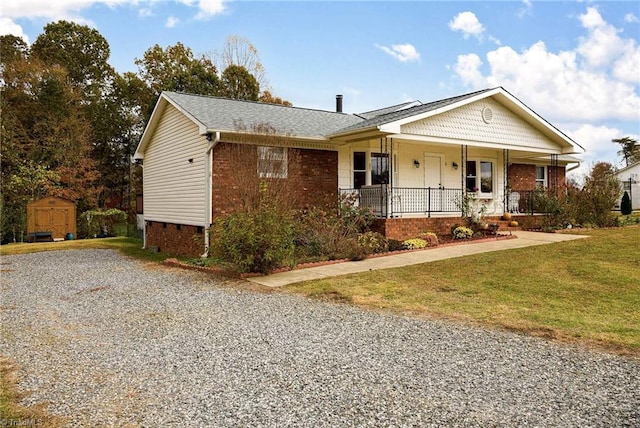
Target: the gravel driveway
(109, 341)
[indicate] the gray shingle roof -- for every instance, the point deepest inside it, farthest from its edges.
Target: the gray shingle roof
(404, 113)
(373, 113)
(225, 115)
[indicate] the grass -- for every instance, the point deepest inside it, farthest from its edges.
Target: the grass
(585, 291)
(13, 414)
(129, 246)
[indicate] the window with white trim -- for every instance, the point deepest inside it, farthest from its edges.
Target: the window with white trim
(541, 177)
(479, 176)
(272, 162)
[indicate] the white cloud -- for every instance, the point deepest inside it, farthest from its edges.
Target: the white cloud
(468, 68)
(602, 43)
(172, 21)
(630, 18)
(71, 10)
(583, 84)
(468, 24)
(209, 8)
(7, 26)
(403, 53)
(596, 141)
(527, 7)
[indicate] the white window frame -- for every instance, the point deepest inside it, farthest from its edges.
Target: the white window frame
(478, 177)
(542, 183)
(368, 164)
(268, 159)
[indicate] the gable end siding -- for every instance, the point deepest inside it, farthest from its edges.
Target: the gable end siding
(174, 190)
(466, 123)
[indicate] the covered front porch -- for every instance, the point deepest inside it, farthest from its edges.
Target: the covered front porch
(398, 178)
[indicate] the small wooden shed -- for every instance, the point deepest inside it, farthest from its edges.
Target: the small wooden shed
(50, 218)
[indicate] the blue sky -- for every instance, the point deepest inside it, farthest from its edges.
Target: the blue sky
(577, 64)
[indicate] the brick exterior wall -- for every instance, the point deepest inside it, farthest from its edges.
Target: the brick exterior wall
(522, 176)
(312, 177)
(558, 171)
(405, 228)
(176, 239)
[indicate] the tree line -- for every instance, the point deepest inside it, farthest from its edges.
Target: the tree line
(69, 122)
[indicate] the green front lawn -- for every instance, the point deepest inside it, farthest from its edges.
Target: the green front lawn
(585, 291)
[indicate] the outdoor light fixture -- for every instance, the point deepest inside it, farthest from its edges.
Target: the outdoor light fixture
(416, 163)
(455, 165)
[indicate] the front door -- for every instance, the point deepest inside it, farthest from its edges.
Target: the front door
(433, 182)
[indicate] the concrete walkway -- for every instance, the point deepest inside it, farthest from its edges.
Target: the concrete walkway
(524, 239)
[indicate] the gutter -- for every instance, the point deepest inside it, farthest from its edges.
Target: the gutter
(208, 183)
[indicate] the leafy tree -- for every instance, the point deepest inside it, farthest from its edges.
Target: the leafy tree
(630, 149)
(45, 129)
(81, 50)
(601, 192)
(239, 84)
(12, 48)
(266, 97)
(176, 69)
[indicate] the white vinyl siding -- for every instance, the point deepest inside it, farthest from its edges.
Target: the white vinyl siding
(466, 123)
(173, 172)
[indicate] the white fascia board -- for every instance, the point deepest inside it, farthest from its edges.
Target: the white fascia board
(470, 143)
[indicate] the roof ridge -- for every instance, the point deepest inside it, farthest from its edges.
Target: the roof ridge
(256, 102)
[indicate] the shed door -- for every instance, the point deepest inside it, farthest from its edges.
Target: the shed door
(43, 219)
(59, 222)
(54, 220)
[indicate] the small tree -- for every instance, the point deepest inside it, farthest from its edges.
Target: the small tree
(595, 201)
(625, 204)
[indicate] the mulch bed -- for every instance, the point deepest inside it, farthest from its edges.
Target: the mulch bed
(443, 241)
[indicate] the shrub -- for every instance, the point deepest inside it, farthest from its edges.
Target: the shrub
(395, 245)
(625, 204)
(256, 241)
(330, 232)
(431, 238)
(462, 232)
(415, 243)
(373, 242)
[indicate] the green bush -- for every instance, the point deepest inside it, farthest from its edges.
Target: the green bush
(331, 232)
(462, 232)
(625, 204)
(373, 242)
(415, 243)
(256, 241)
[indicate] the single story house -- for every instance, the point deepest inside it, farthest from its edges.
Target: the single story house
(410, 163)
(629, 176)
